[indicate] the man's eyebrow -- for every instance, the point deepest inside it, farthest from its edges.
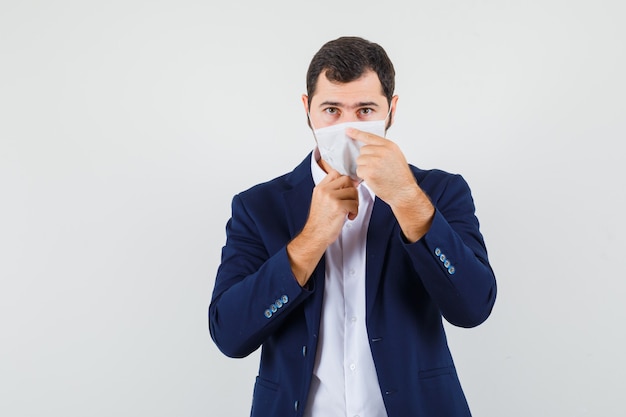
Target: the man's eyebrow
(357, 105)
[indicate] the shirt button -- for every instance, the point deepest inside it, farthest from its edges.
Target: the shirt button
(353, 319)
(352, 272)
(352, 367)
(348, 225)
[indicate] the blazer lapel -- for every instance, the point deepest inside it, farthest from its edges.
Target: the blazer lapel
(381, 226)
(297, 203)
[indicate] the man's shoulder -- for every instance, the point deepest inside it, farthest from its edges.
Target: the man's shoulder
(435, 180)
(275, 184)
(282, 183)
(432, 173)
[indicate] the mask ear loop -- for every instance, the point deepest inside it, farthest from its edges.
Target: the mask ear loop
(386, 117)
(308, 115)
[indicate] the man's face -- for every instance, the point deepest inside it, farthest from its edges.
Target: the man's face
(359, 100)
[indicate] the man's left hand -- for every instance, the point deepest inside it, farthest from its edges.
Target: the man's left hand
(384, 168)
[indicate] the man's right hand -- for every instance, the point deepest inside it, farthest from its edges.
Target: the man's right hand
(334, 199)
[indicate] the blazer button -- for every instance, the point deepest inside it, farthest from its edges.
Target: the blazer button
(278, 303)
(451, 270)
(296, 405)
(303, 350)
(268, 314)
(284, 299)
(437, 251)
(273, 308)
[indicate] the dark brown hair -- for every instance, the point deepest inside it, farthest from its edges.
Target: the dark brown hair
(345, 59)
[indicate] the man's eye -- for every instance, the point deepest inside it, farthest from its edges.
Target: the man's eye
(331, 110)
(366, 111)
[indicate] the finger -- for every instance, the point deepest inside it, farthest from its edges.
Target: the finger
(347, 193)
(352, 208)
(365, 137)
(331, 175)
(347, 198)
(336, 179)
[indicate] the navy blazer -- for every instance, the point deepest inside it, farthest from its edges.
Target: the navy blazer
(257, 302)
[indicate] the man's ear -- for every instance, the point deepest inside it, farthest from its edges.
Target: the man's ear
(305, 103)
(392, 111)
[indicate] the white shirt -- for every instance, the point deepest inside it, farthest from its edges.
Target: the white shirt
(344, 379)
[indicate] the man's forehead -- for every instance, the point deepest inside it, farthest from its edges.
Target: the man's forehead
(368, 77)
(364, 91)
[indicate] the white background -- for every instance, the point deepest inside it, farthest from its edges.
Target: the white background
(127, 126)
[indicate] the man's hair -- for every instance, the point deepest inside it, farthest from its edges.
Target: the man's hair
(345, 59)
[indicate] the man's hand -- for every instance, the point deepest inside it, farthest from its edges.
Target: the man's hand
(334, 199)
(384, 168)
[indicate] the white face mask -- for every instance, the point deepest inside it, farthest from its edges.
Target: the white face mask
(339, 150)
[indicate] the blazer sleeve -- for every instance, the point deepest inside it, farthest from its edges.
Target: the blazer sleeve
(254, 290)
(452, 257)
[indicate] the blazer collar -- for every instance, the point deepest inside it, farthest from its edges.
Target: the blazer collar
(379, 232)
(297, 200)
(298, 195)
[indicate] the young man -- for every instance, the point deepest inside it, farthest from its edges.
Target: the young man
(342, 269)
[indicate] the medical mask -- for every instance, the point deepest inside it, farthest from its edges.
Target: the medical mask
(339, 150)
